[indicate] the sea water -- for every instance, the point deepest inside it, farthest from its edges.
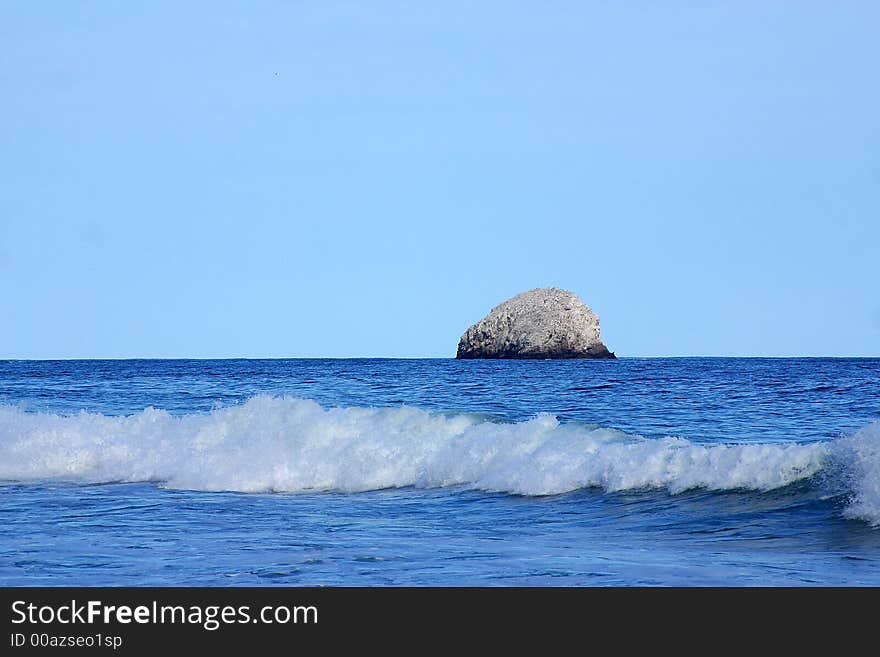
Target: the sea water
(682, 471)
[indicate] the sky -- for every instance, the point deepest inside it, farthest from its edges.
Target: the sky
(367, 179)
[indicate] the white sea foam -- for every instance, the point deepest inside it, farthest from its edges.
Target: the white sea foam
(286, 444)
(860, 456)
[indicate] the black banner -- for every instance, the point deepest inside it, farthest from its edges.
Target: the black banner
(157, 620)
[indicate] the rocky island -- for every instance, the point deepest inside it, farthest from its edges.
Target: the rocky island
(542, 323)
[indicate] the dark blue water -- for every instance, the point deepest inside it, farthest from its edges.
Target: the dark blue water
(440, 472)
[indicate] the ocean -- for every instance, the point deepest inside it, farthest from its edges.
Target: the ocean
(360, 472)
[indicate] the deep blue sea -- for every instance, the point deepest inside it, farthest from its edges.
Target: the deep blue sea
(680, 471)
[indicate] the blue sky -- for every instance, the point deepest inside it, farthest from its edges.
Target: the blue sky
(274, 179)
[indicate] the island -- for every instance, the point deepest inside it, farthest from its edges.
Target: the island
(541, 323)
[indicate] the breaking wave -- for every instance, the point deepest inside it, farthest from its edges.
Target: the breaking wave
(288, 444)
(860, 456)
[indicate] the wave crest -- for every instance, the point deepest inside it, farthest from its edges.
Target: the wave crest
(288, 444)
(860, 456)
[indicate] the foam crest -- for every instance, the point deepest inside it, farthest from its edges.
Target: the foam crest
(287, 444)
(860, 456)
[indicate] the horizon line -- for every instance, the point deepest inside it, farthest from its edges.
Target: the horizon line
(631, 357)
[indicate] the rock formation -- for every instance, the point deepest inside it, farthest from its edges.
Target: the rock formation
(542, 323)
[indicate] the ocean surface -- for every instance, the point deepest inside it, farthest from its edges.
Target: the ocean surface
(680, 471)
